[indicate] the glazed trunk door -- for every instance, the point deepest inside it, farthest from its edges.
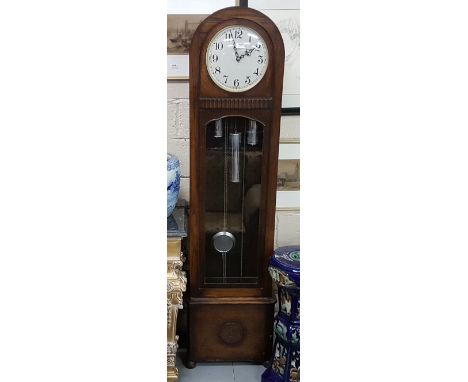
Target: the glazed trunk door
(233, 156)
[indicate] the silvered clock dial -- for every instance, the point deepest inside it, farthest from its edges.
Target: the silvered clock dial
(237, 58)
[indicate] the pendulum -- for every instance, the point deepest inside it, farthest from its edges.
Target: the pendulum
(218, 128)
(234, 140)
(223, 241)
(252, 133)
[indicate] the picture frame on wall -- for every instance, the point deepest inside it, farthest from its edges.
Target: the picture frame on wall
(180, 29)
(183, 18)
(273, 4)
(198, 6)
(177, 67)
(288, 23)
(290, 130)
(288, 183)
(286, 15)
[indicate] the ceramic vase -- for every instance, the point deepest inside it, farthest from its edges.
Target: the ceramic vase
(173, 182)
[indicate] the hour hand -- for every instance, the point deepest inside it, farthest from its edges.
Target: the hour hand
(235, 51)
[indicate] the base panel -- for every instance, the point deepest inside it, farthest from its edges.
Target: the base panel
(231, 332)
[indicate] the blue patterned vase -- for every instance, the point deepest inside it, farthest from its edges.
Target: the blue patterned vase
(173, 182)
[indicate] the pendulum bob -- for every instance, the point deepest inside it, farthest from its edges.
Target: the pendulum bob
(234, 143)
(223, 242)
(218, 128)
(252, 133)
(224, 247)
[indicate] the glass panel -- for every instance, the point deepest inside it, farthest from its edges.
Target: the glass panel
(234, 149)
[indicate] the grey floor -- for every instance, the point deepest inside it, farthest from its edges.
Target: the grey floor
(220, 372)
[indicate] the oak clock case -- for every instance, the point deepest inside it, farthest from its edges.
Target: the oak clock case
(236, 74)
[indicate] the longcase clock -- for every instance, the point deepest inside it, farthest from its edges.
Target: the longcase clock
(236, 78)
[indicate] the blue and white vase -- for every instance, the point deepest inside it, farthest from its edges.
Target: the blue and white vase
(173, 182)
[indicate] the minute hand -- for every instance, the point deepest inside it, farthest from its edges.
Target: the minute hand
(235, 51)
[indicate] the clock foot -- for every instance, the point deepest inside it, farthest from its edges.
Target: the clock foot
(189, 364)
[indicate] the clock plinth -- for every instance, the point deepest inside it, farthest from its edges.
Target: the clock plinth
(224, 330)
(236, 76)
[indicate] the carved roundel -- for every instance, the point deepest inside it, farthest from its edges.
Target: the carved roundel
(231, 333)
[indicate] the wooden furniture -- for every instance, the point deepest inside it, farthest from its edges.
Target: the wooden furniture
(285, 361)
(176, 283)
(234, 140)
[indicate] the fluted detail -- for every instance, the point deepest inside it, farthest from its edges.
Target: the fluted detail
(236, 103)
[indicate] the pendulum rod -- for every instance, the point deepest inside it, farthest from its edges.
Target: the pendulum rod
(226, 127)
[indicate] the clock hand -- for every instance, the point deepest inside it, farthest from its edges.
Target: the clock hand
(235, 50)
(248, 52)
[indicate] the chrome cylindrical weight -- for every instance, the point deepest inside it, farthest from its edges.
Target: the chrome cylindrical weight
(252, 133)
(234, 142)
(218, 128)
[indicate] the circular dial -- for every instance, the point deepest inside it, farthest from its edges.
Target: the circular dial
(237, 58)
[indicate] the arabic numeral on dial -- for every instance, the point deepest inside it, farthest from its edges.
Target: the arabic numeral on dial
(238, 33)
(260, 59)
(217, 70)
(228, 35)
(214, 58)
(247, 80)
(256, 72)
(236, 83)
(225, 79)
(218, 45)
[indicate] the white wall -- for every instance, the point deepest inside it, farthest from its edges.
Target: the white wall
(178, 143)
